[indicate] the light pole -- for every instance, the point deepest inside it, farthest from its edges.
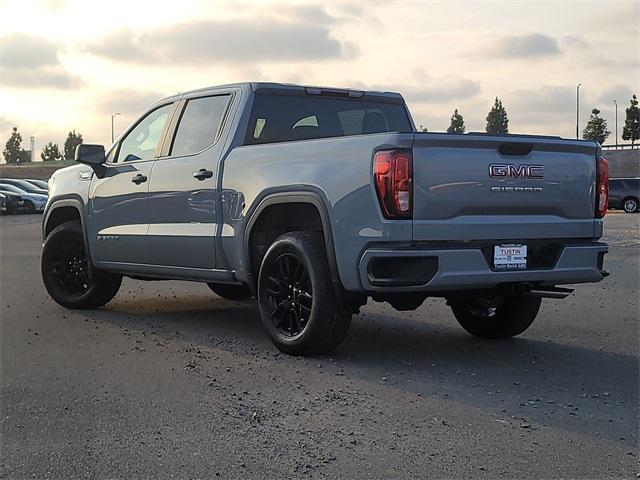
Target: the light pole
(578, 110)
(616, 103)
(112, 117)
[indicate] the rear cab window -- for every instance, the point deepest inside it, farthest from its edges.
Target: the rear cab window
(199, 124)
(283, 118)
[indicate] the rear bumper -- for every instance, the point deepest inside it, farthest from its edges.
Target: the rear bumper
(451, 269)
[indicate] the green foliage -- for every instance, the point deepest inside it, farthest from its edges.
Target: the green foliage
(596, 128)
(51, 153)
(631, 129)
(457, 123)
(497, 120)
(73, 140)
(13, 153)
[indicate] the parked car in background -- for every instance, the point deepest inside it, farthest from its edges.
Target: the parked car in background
(24, 185)
(33, 202)
(3, 204)
(38, 183)
(13, 202)
(624, 193)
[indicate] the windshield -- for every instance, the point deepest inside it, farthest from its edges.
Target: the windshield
(11, 188)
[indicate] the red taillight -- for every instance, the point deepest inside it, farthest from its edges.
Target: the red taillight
(392, 171)
(602, 187)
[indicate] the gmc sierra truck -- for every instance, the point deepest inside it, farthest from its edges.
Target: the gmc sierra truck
(313, 200)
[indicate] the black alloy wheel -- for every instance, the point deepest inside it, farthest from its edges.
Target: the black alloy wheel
(289, 294)
(297, 297)
(70, 267)
(67, 274)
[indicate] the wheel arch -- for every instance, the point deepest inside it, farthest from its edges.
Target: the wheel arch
(310, 197)
(64, 210)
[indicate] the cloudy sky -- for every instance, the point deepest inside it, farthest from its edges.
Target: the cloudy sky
(71, 64)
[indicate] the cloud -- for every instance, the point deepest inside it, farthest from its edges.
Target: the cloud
(32, 61)
(48, 77)
(22, 50)
(575, 41)
(528, 45)
(433, 91)
(4, 123)
(127, 101)
(442, 92)
(537, 105)
(233, 41)
(122, 46)
(621, 93)
(309, 14)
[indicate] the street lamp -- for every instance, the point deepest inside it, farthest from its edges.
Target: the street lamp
(112, 116)
(616, 103)
(578, 110)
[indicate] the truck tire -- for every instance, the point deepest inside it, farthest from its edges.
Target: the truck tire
(230, 292)
(66, 272)
(505, 317)
(630, 205)
(298, 304)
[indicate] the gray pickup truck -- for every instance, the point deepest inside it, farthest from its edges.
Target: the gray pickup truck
(313, 199)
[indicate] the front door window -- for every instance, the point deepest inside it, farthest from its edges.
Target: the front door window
(141, 142)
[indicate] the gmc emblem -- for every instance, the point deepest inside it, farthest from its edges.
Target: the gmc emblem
(516, 171)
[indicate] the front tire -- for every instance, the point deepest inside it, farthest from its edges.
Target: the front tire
(298, 304)
(500, 317)
(67, 274)
(630, 205)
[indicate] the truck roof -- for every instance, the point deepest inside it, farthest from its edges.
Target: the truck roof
(293, 89)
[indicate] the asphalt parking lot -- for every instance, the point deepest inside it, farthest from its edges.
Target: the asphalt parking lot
(171, 381)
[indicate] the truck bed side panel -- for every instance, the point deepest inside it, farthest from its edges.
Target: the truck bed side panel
(338, 168)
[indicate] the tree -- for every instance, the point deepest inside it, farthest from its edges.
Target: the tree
(596, 128)
(50, 153)
(457, 123)
(73, 140)
(13, 153)
(631, 129)
(497, 121)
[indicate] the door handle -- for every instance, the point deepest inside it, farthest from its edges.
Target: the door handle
(138, 179)
(202, 174)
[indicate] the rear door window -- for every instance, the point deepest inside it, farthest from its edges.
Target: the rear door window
(282, 118)
(199, 124)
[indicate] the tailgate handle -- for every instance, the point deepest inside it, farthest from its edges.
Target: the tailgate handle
(516, 149)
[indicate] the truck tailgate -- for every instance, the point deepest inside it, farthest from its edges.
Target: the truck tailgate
(480, 187)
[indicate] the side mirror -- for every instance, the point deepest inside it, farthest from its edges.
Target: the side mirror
(92, 155)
